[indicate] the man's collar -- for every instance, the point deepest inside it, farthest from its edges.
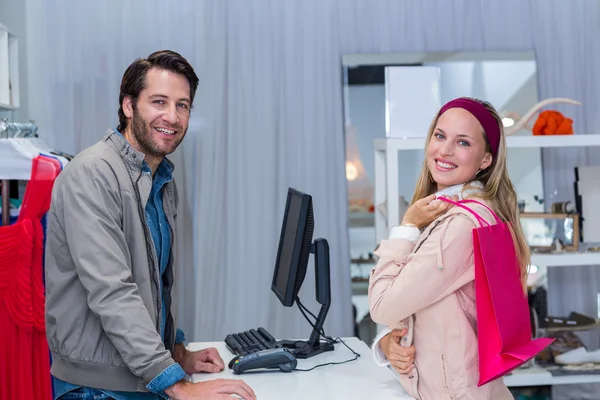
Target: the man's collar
(127, 148)
(164, 169)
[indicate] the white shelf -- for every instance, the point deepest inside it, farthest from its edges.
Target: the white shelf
(528, 141)
(536, 376)
(9, 70)
(7, 107)
(361, 219)
(565, 259)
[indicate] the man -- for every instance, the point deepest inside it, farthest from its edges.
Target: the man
(110, 253)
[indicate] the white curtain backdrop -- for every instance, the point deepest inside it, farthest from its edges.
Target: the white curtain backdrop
(268, 115)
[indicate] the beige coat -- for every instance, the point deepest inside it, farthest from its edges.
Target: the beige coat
(427, 286)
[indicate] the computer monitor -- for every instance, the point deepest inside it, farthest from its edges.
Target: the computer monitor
(294, 247)
(293, 253)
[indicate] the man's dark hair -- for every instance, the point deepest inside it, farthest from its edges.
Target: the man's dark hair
(134, 78)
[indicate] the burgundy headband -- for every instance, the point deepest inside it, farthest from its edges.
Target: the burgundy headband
(483, 115)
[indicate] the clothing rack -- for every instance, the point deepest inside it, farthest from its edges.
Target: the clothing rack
(13, 130)
(17, 129)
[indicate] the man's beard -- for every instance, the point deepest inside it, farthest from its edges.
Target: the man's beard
(144, 135)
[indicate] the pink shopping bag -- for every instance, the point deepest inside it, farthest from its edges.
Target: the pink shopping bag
(503, 319)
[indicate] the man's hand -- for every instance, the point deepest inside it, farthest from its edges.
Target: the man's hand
(193, 362)
(401, 358)
(216, 389)
(426, 210)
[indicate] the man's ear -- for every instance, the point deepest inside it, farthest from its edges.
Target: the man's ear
(487, 161)
(128, 106)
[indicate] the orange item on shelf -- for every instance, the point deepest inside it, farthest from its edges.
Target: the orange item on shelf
(552, 122)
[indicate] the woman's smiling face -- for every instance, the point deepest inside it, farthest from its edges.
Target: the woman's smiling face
(457, 150)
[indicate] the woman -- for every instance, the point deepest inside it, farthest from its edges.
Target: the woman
(423, 284)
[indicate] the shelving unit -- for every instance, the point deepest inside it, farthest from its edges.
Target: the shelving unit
(565, 259)
(386, 167)
(9, 70)
(386, 187)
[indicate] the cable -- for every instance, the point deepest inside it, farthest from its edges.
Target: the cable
(303, 310)
(328, 339)
(304, 307)
(337, 340)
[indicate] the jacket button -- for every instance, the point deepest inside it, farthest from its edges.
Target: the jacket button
(410, 376)
(134, 155)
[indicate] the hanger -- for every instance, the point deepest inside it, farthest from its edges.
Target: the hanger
(19, 146)
(26, 137)
(15, 160)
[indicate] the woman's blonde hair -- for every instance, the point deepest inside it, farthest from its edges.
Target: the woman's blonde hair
(498, 191)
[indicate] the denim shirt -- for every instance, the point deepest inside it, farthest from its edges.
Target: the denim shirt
(161, 236)
(160, 229)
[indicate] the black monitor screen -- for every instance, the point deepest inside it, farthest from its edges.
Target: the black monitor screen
(294, 246)
(287, 243)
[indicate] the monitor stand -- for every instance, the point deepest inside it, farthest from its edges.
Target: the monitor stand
(314, 346)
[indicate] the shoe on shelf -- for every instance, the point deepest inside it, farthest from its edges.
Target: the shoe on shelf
(578, 356)
(565, 341)
(574, 322)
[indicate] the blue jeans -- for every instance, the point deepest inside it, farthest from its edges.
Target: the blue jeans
(85, 394)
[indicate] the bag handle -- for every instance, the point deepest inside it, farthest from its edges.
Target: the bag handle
(481, 220)
(479, 217)
(498, 220)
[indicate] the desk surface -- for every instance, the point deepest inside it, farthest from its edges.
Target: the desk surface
(359, 379)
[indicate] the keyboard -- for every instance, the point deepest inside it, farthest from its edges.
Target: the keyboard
(250, 341)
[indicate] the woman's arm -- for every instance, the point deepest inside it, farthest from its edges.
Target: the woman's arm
(403, 282)
(377, 348)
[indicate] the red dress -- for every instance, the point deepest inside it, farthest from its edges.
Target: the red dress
(24, 355)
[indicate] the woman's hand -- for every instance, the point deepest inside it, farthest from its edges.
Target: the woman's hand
(401, 358)
(425, 211)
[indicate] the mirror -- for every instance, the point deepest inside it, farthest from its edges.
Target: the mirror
(508, 80)
(547, 232)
